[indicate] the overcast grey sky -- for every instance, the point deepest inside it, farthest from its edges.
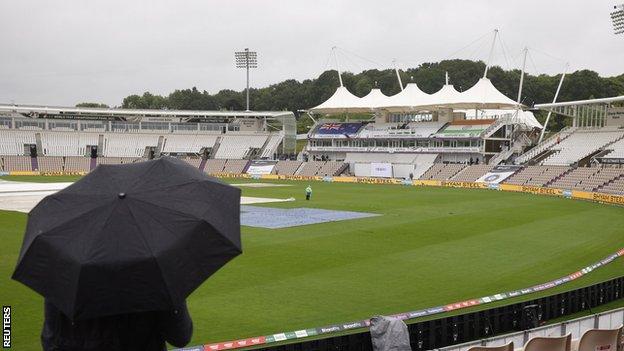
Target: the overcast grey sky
(65, 52)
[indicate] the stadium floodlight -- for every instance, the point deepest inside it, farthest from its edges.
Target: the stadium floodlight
(246, 59)
(617, 17)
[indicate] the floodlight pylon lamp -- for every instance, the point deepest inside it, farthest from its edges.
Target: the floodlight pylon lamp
(246, 59)
(617, 17)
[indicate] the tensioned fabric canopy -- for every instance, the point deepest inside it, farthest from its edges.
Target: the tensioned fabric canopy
(342, 101)
(483, 95)
(520, 116)
(410, 97)
(375, 99)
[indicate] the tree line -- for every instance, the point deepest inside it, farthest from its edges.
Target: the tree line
(296, 95)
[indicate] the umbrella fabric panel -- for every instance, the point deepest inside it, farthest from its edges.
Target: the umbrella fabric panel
(56, 210)
(130, 238)
(198, 255)
(51, 264)
(215, 203)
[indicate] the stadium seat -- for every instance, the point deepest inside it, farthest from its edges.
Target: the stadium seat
(507, 347)
(236, 146)
(214, 166)
(180, 143)
(17, 163)
(442, 171)
(545, 145)
(271, 146)
(75, 164)
(311, 168)
(193, 161)
(472, 173)
(540, 343)
(235, 166)
(50, 164)
(599, 340)
(581, 144)
(537, 175)
(617, 150)
(286, 167)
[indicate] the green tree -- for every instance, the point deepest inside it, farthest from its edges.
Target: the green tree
(294, 95)
(92, 105)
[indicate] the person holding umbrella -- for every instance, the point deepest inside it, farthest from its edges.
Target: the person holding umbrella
(117, 253)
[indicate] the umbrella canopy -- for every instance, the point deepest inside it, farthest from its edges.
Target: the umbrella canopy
(129, 238)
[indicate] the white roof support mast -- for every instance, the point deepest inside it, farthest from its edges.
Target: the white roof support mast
(487, 65)
(565, 71)
(396, 70)
(519, 100)
(337, 65)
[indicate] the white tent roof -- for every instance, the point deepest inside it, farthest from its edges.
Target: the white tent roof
(411, 96)
(529, 119)
(374, 99)
(484, 95)
(448, 93)
(342, 101)
(525, 117)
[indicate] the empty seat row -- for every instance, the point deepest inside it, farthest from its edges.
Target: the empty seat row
(51, 164)
(442, 171)
(537, 175)
(615, 186)
(587, 178)
(235, 166)
(193, 161)
(127, 144)
(238, 146)
(16, 163)
(67, 143)
(77, 164)
(472, 173)
(286, 167)
(14, 142)
(581, 144)
(311, 168)
(214, 166)
(545, 145)
(617, 149)
(179, 143)
(591, 340)
(271, 146)
(118, 160)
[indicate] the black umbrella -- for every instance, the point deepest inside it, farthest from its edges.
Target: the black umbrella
(130, 238)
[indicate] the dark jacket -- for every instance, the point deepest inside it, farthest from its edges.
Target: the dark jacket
(145, 331)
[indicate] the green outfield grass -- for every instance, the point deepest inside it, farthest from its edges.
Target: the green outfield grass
(430, 246)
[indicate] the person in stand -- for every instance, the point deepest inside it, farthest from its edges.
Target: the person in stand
(308, 192)
(145, 331)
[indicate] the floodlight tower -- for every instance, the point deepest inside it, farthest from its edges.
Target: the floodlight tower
(246, 59)
(617, 17)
